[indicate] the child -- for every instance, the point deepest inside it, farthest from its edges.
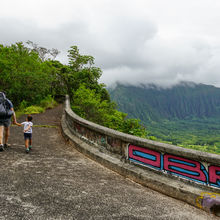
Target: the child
(27, 132)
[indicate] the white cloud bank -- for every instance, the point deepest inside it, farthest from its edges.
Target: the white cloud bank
(142, 41)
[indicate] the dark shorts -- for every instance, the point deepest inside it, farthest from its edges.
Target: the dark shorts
(5, 122)
(27, 136)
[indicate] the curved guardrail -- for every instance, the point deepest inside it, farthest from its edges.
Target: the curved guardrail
(186, 174)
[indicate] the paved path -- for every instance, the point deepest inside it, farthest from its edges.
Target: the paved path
(54, 181)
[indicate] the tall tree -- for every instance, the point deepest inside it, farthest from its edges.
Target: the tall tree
(23, 75)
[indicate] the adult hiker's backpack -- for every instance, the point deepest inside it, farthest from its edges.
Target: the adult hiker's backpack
(5, 111)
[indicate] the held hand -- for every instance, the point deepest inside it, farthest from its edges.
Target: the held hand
(16, 123)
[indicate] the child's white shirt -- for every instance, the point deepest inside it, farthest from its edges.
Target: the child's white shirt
(26, 125)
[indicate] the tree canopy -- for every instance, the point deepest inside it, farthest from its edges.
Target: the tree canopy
(29, 74)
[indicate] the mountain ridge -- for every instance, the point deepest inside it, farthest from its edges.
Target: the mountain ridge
(183, 101)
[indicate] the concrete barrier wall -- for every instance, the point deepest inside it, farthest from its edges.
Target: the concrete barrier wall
(198, 169)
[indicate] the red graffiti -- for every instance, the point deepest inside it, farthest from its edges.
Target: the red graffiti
(214, 174)
(184, 167)
(156, 155)
(175, 165)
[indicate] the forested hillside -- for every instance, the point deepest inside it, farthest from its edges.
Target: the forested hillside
(33, 79)
(184, 101)
(187, 114)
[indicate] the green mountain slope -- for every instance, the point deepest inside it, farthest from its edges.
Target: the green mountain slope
(150, 103)
(186, 115)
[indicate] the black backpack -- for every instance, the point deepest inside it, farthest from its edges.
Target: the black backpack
(5, 111)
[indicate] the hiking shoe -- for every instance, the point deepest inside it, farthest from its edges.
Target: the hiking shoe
(1, 147)
(27, 150)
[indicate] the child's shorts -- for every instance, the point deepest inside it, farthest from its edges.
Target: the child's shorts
(27, 136)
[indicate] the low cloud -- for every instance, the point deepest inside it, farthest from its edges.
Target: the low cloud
(166, 63)
(137, 43)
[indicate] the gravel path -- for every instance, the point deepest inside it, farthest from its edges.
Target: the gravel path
(54, 181)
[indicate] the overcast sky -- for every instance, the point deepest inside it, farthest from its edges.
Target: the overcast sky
(132, 41)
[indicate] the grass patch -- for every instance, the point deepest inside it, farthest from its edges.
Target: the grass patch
(46, 126)
(33, 109)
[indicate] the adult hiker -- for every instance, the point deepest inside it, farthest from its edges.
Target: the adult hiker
(6, 113)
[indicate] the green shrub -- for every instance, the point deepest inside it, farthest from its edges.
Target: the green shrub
(23, 105)
(48, 102)
(152, 138)
(89, 105)
(33, 110)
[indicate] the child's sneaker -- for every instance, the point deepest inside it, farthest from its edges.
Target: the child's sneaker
(27, 150)
(30, 147)
(1, 147)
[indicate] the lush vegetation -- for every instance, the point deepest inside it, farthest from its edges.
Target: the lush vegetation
(91, 100)
(199, 134)
(33, 79)
(185, 115)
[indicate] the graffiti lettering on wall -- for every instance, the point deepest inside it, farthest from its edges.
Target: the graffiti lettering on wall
(179, 166)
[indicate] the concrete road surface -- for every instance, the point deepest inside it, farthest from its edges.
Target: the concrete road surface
(54, 181)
